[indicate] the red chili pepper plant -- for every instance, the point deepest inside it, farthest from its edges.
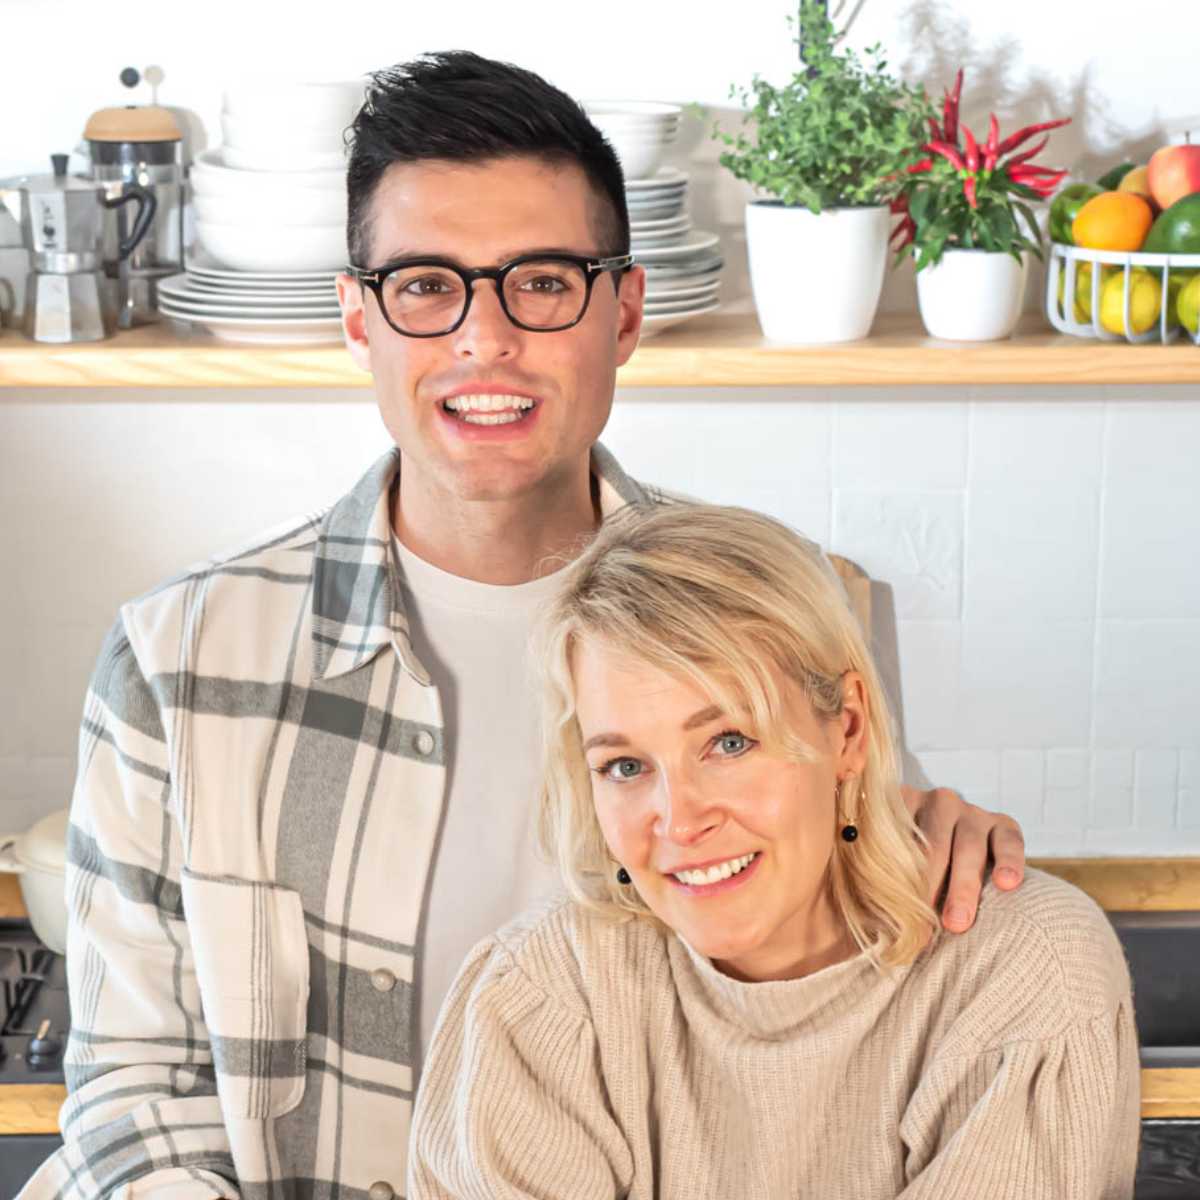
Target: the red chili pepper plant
(971, 196)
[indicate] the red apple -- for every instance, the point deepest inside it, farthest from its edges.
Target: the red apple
(1174, 172)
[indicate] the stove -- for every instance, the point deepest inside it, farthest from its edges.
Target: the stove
(34, 1021)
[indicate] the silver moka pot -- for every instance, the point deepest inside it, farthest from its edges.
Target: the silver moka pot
(142, 146)
(62, 226)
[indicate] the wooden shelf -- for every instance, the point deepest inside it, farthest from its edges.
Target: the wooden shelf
(724, 350)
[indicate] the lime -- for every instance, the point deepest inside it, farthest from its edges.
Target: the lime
(1110, 179)
(1064, 208)
(1145, 301)
(1189, 304)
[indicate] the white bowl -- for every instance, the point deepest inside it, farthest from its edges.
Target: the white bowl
(631, 108)
(298, 207)
(272, 135)
(275, 247)
(321, 104)
(292, 161)
(212, 176)
(639, 156)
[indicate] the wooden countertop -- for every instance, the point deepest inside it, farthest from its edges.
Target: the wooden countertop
(1117, 884)
(721, 350)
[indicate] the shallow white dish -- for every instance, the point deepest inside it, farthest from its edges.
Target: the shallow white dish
(654, 323)
(246, 313)
(663, 178)
(275, 247)
(214, 176)
(695, 244)
(283, 159)
(211, 287)
(181, 292)
(661, 224)
(696, 270)
(265, 331)
(638, 213)
(698, 291)
(638, 245)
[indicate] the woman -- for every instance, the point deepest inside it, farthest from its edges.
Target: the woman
(745, 992)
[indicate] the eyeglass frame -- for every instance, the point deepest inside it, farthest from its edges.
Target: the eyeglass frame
(592, 267)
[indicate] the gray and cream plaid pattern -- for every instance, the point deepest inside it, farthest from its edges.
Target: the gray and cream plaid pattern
(260, 784)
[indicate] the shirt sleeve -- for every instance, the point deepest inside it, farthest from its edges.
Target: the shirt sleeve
(142, 1117)
(512, 1104)
(1044, 1119)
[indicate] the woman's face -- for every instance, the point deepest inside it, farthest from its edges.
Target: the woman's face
(682, 788)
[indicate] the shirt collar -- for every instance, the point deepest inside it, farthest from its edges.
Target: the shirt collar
(357, 604)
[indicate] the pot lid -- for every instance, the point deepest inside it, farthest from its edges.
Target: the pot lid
(133, 123)
(45, 844)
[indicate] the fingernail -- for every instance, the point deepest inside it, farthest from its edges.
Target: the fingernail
(958, 915)
(1006, 875)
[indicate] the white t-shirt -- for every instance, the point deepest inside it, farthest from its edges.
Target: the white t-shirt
(473, 639)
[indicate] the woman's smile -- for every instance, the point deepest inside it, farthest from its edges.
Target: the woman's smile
(722, 876)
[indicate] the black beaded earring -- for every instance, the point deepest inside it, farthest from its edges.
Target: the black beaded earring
(623, 877)
(850, 829)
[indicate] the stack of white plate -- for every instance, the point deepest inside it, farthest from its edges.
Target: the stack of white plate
(273, 197)
(683, 265)
(283, 308)
(638, 130)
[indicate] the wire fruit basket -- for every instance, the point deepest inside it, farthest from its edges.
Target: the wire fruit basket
(1170, 272)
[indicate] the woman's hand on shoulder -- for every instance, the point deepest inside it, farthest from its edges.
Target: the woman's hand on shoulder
(962, 839)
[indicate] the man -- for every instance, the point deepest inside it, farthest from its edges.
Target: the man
(308, 769)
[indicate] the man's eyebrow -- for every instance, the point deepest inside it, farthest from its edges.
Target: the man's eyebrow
(406, 252)
(695, 721)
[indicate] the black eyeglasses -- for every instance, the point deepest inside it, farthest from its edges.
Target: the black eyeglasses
(430, 297)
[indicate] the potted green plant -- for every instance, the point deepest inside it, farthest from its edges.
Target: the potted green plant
(828, 152)
(966, 217)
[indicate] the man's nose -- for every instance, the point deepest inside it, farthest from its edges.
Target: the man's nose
(486, 333)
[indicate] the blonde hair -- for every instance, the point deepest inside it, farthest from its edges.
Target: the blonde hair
(737, 604)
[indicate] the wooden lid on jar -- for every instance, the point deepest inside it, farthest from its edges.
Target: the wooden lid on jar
(133, 123)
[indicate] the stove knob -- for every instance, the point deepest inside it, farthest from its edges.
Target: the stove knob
(43, 1044)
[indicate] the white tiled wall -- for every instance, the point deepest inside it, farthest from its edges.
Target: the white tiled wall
(1037, 558)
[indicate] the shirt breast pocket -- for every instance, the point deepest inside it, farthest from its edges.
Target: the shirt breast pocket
(250, 949)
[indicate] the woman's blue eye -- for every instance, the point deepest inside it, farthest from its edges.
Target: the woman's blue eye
(732, 744)
(620, 769)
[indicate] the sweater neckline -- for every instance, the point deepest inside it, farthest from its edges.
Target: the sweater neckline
(777, 1007)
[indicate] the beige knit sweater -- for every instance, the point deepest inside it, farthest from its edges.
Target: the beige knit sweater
(578, 1058)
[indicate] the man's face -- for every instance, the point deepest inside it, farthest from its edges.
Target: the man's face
(477, 215)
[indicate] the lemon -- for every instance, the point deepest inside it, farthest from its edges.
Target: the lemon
(1083, 288)
(1188, 304)
(1145, 301)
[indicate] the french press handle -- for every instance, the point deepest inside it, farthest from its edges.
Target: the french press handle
(147, 206)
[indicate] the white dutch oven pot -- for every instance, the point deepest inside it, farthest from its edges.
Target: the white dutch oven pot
(39, 858)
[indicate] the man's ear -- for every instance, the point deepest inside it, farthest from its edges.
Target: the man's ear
(352, 296)
(631, 298)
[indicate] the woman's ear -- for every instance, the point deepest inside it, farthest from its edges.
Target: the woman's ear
(854, 725)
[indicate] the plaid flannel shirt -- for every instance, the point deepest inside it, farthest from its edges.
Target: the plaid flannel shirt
(260, 784)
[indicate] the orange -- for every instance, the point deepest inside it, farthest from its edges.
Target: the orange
(1113, 221)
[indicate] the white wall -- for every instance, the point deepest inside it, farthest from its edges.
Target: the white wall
(1040, 545)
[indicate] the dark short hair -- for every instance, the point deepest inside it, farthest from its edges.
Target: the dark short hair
(458, 106)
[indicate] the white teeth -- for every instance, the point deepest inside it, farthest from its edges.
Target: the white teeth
(715, 873)
(491, 418)
(463, 404)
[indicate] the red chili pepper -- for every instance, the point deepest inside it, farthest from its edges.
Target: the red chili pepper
(972, 148)
(969, 191)
(905, 231)
(934, 128)
(1022, 135)
(950, 110)
(993, 138)
(948, 152)
(919, 167)
(1026, 155)
(1023, 169)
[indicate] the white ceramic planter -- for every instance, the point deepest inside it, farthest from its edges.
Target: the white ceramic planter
(972, 295)
(816, 277)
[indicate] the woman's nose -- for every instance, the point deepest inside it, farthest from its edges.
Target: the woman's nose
(686, 815)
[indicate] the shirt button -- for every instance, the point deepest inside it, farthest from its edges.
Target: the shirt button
(382, 980)
(424, 742)
(381, 1190)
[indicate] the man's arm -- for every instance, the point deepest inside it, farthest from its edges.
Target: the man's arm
(961, 838)
(142, 1116)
